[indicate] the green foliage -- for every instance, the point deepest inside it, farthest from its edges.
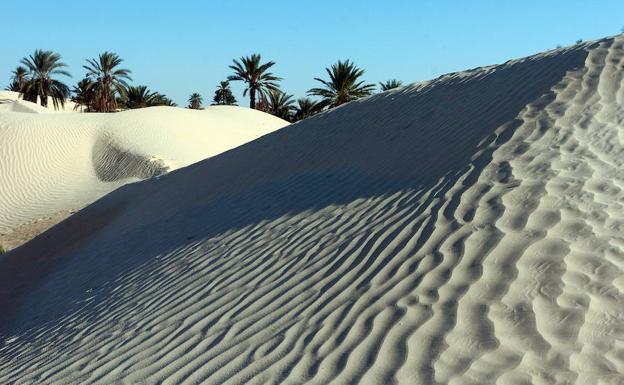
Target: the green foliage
(39, 81)
(279, 104)
(18, 79)
(163, 100)
(255, 75)
(390, 84)
(138, 97)
(223, 95)
(2, 250)
(344, 84)
(195, 101)
(141, 97)
(106, 81)
(84, 95)
(305, 108)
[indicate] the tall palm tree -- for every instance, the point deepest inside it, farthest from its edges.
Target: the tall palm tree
(18, 79)
(344, 84)
(280, 104)
(195, 101)
(41, 66)
(390, 84)
(305, 108)
(84, 95)
(223, 94)
(108, 81)
(255, 75)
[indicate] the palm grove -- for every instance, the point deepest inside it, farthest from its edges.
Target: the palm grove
(105, 86)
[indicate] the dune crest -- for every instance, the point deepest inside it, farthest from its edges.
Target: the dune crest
(466, 230)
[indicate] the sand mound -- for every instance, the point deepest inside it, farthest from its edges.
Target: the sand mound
(466, 230)
(11, 101)
(52, 163)
(21, 106)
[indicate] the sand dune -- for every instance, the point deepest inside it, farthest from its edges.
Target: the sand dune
(54, 164)
(12, 101)
(466, 230)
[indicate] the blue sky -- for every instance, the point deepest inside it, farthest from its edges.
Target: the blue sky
(181, 46)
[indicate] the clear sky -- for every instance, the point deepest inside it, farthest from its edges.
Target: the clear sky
(181, 46)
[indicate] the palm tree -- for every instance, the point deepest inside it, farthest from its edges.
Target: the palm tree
(84, 95)
(108, 81)
(18, 79)
(223, 94)
(255, 75)
(162, 100)
(139, 97)
(305, 108)
(195, 101)
(41, 66)
(280, 104)
(343, 85)
(390, 84)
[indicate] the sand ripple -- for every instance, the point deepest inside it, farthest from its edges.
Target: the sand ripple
(466, 230)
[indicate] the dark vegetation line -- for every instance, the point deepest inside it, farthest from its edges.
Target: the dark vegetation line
(106, 88)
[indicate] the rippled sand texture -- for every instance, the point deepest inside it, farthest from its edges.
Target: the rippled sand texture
(51, 163)
(467, 230)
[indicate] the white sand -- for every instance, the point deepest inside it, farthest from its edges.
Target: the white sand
(55, 162)
(12, 101)
(467, 230)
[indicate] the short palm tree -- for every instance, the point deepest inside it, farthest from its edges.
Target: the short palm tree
(18, 79)
(139, 97)
(280, 104)
(344, 84)
(195, 101)
(108, 81)
(41, 66)
(223, 95)
(162, 100)
(84, 95)
(305, 108)
(255, 75)
(390, 84)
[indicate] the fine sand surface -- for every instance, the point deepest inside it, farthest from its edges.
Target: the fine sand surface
(52, 164)
(12, 101)
(467, 230)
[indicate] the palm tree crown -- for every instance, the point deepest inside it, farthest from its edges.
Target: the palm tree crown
(280, 104)
(141, 97)
(390, 84)
(84, 95)
(305, 108)
(195, 101)
(108, 81)
(343, 85)
(41, 66)
(18, 79)
(162, 100)
(255, 75)
(223, 94)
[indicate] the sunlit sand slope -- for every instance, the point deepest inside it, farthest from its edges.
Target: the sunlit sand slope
(467, 230)
(54, 163)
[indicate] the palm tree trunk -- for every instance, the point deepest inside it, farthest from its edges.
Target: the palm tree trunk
(43, 100)
(252, 98)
